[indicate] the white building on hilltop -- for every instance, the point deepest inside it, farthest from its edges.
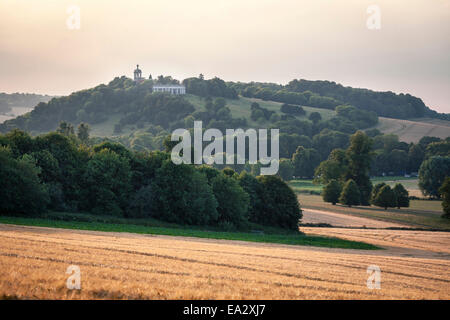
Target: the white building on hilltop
(170, 88)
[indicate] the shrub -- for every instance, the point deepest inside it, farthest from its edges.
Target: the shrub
(332, 191)
(385, 198)
(401, 195)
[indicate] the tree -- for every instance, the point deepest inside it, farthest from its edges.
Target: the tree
(432, 174)
(416, 154)
(444, 190)
(280, 206)
(286, 169)
(315, 117)
(332, 191)
(233, 201)
(401, 195)
(329, 170)
(385, 198)
(83, 132)
(441, 148)
(375, 191)
(350, 194)
(254, 189)
(305, 161)
(359, 159)
(183, 195)
(107, 183)
(22, 191)
(65, 129)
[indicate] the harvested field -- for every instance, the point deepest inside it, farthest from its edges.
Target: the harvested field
(33, 262)
(430, 243)
(413, 131)
(344, 220)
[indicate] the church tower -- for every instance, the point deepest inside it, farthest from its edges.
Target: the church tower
(138, 74)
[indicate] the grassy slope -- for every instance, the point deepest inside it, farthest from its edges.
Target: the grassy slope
(121, 225)
(241, 108)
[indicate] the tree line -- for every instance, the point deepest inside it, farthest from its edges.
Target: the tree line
(62, 171)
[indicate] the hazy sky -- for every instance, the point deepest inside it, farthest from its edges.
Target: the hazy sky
(240, 40)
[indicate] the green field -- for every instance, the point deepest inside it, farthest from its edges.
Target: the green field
(241, 108)
(109, 224)
(307, 185)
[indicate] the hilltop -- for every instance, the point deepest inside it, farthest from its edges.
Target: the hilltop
(130, 113)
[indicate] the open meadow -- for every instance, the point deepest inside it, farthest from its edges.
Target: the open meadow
(34, 260)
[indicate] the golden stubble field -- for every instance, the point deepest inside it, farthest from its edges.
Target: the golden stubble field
(34, 260)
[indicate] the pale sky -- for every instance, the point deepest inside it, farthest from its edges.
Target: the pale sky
(236, 40)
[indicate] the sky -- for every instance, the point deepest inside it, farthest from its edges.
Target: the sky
(42, 50)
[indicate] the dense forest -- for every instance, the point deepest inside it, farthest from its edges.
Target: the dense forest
(328, 95)
(63, 171)
(26, 100)
(304, 141)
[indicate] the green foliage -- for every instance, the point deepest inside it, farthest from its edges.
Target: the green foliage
(361, 118)
(293, 110)
(432, 174)
(107, 183)
(257, 112)
(21, 190)
(444, 191)
(209, 88)
(359, 157)
(83, 132)
(315, 117)
(65, 129)
(375, 191)
(233, 201)
(441, 148)
(332, 191)
(386, 104)
(183, 195)
(385, 198)
(26, 100)
(328, 140)
(402, 196)
(254, 190)
(305, 161)
(329, 170)
(350, 194)
(280, 205)
(286, 169)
